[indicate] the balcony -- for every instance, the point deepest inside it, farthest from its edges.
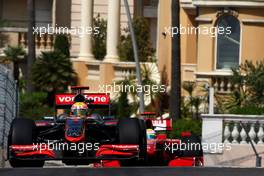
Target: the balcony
(219, 80)
(120, 71)
(100, 73)
(18, 36)
(229, 3)
(124, 70)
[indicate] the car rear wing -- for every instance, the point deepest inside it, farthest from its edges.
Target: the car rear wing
(162, 124)
(158, 124)
(98, 100)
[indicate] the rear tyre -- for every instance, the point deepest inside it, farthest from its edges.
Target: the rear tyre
(143, 148)
(23, 132)
(133, 131)
(195, 150)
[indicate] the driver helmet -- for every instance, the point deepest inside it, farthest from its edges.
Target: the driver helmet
(151, 134)
(79, 109)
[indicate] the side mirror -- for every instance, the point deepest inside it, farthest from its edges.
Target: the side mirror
(61, 118)
(48, 118)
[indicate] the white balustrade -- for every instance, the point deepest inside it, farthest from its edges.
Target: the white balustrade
(260, 134)
(227, 133)
(237, 129)
(124, 70)
(229, 86)
(45, 42)
(239, 134)
(222, 84)
(252, 133)
(235, 134)
(243, 136)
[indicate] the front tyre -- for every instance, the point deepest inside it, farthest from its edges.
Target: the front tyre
(23, 132)
(133, 131)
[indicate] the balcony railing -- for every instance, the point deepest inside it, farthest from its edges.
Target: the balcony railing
(234, 132)
(124, 70)
(221, 81)
(45, 42)
(117, 71)
(229, 137)
(234, 129)
(222, 84)
(18, 36)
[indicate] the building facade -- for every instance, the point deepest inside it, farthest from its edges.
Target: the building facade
(93, 72)
(206, 57)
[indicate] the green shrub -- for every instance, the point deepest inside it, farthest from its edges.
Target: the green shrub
(123, 108)
(52, 72)
(145, 50)
(247, 110)
(249, 80)
(186, 125)
(99, 40)
(34, 105)
(62, 45)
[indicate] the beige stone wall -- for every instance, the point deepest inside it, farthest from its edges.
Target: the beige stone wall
(198, 51)
(164, 45)
(188, 45)
(188, 42)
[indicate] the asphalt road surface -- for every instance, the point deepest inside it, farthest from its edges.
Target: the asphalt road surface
(133, 171)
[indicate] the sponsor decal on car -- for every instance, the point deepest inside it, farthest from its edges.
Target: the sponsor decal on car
(98, 98)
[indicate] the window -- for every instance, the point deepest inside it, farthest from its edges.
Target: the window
(228, 44)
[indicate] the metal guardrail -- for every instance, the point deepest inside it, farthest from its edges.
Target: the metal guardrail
(8, 108)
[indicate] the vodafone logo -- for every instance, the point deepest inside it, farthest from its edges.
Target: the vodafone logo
(67, 99)
(102, 99)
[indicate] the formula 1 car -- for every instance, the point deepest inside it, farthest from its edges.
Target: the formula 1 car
(74, 139)
(84, 137)
(160, 151)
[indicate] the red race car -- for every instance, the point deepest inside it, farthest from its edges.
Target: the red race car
(83, 137)
(160, 150)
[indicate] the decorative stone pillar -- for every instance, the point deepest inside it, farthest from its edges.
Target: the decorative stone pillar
(54, 6)
(86, 22)
(113, 30)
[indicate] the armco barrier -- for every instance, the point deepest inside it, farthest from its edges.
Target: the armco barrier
(8, 108)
